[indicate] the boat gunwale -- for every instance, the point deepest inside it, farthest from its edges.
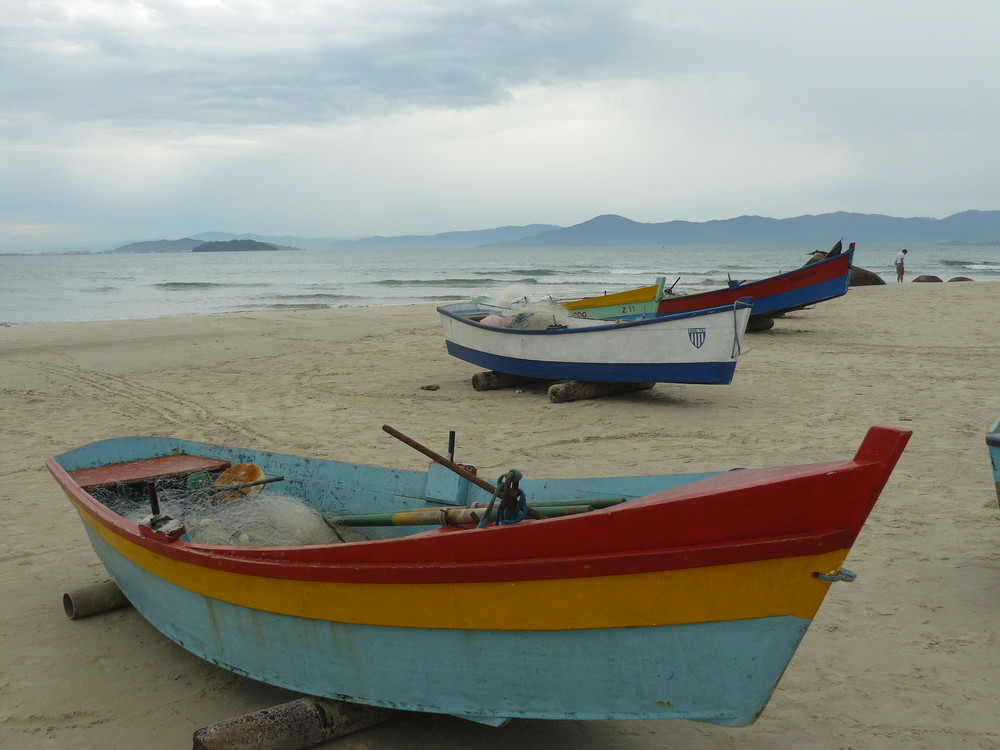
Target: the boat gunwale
(600, 325)
(993, 434)
(314, 561)
(747, 286)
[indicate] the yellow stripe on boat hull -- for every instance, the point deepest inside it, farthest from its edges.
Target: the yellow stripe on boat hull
(767, 588)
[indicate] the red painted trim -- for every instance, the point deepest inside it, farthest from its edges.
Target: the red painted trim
(733, 517)
(814, 273)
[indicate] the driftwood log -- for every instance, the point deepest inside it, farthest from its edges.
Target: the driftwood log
(299, 724)
(575, 390)
(494, 381)
(92, 600)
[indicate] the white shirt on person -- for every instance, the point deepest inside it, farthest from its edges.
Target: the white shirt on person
(900, 257)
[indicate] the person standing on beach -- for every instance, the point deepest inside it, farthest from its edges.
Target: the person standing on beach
(900, 257)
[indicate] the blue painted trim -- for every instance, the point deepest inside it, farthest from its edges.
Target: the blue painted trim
(795, 298)
(706, 373)
(721, 672)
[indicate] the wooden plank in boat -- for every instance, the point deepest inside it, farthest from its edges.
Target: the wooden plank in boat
(146, 470)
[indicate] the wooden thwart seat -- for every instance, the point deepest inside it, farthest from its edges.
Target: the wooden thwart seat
(145, 470)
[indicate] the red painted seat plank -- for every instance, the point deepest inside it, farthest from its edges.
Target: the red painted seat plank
(146, 470)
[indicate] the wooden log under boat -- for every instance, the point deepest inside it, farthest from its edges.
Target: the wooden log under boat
(297, 724)
(494, 381)
(575, 390)
(93, 600)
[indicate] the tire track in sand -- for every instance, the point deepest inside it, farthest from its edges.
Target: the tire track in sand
(126, 398)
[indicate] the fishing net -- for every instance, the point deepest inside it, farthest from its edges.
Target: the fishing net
(270, 519)
(539, 318)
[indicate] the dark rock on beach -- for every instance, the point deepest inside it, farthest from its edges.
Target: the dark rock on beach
(926, 277)
(864, 277)
(760, 324)
(960, 278)
(859, 276)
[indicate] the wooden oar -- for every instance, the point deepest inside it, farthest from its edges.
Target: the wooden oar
(242, 485)
(457, 468)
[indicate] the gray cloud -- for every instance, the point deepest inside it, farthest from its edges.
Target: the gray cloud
(262, 65)
(161, 117)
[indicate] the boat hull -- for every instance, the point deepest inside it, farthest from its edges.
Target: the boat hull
(695, 347)
(809, 285)
(775, 295)
(719, 672)
(632, 303)
(687, 600)
(993, 445)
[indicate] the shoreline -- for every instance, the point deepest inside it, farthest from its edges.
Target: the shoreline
(319, 307)
(904, 657)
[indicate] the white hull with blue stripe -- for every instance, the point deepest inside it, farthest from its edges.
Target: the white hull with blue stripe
(699, 346)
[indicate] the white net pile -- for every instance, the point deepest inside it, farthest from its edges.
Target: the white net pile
(270, 519)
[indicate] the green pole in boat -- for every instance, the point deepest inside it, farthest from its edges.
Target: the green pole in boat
(444, 516)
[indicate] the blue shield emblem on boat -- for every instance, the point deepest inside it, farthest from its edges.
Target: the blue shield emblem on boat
(697, 336)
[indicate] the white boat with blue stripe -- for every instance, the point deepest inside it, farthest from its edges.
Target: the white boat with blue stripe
(697, 346)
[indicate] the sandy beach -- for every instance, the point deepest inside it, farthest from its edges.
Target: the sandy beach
(908, 656)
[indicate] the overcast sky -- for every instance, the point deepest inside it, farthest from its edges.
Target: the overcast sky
(126, 120)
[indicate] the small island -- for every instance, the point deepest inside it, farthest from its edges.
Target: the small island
(229, 246)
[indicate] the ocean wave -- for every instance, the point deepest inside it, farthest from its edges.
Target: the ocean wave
(451, 282)
(534, 272)
(444, 298)
(292, 306)
(183, 286)
(317, 297)
(972, 265)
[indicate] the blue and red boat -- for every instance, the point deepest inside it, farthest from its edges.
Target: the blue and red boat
(813, 283)
(646, 597)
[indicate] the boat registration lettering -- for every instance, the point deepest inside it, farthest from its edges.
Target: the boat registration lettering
(804, 275)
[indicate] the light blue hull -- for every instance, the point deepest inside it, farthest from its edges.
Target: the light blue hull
(993, 444)
(721, 672)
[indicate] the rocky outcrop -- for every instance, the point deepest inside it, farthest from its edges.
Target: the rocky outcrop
(925, 278)
(859, 276)
(864, 277)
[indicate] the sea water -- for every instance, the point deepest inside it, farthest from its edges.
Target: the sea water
(48, 287)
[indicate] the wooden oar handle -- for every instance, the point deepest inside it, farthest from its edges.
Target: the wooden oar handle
(457, 468)
(245, 485)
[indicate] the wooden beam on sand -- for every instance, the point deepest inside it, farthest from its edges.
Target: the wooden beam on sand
(494, 381)
(92, 600)
(299, 724)
(574, 390)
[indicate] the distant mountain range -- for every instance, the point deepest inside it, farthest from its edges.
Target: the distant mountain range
(820, 231)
